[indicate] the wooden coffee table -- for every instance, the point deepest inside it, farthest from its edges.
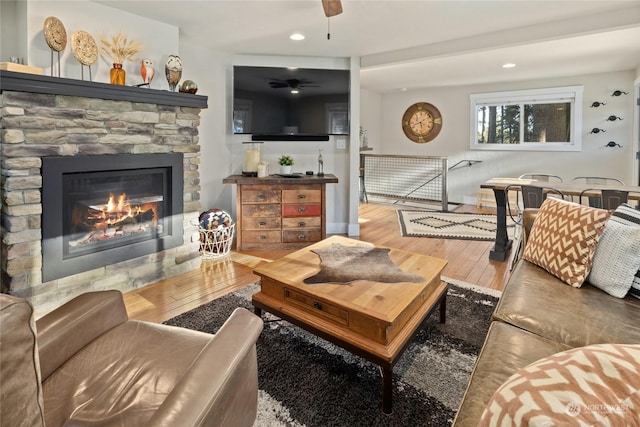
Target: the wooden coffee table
(373, 320)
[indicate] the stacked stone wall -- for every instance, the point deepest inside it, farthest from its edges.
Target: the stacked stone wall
(40, 125)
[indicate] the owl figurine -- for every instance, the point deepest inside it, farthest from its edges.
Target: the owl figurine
(173, 70)
(146, 71)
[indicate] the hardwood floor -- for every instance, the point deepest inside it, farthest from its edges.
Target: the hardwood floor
(468, 261)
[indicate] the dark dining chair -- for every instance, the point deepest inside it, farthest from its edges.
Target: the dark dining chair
(531, 197)
(596, 202)
(609, 198)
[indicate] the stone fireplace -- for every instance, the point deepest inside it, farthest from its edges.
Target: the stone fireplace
(100, 187)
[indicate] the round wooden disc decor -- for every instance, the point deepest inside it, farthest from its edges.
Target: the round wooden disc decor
(421, 122)
(55, 34)
(84, 47)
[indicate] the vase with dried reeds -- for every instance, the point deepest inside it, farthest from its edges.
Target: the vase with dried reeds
(119, 49)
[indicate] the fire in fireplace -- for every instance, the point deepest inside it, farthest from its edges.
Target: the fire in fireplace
(99, 210)
(97, 221)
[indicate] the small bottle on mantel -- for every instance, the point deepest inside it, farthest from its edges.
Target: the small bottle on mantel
(320, 164)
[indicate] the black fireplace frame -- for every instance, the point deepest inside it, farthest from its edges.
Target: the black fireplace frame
(54, 264)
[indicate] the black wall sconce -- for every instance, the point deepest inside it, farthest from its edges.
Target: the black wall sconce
(596, 104)
(596, 130)
(618, 93)
(614, 118)
(613, 144)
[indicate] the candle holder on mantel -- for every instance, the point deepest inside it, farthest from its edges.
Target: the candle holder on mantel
(252, 157)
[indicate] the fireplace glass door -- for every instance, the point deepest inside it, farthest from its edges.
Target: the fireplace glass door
(100, 210)
(105, 210)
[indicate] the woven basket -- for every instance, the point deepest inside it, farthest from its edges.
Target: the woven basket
(216, 243)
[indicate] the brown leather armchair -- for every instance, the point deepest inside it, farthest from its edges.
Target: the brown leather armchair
(87, 364)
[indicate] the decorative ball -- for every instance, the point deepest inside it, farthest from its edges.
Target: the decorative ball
(214, 219)
(188, 86)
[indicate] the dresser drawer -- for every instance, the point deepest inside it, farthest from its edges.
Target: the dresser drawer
(266, 236)
(300, 209)
(261, 196)
(295, 236)
(260, 211)
(323, 309)
(301, 196)
(250, 223)
(302, 222)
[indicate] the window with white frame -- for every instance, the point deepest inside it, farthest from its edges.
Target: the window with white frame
(535, 120)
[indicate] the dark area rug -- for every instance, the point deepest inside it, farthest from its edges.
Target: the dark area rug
(305, 380)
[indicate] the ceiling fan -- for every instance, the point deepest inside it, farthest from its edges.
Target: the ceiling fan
(292, 84)
(332, 7)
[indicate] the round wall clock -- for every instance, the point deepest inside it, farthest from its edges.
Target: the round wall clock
(421, 122)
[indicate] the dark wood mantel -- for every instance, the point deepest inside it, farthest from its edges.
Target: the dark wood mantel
(34, 83)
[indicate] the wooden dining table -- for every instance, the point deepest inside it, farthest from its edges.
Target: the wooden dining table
(503, 244)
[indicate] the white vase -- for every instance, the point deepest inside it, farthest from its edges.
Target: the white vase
(285, 169)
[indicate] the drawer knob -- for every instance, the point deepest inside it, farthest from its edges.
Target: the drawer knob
(301, 196)
(302, 209)
(262, 237)
(302, 236)
(260, 196)
(317, 305)
(262, 223)
(302, 224)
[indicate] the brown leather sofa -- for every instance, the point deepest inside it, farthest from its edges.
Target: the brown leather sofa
(87, 364)
(537, 316)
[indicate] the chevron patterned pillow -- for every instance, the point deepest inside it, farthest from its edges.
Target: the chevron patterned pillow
(563, 239)
(593, 385)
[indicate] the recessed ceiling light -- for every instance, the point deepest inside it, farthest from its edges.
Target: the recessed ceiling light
(296, 36)
(295, 91)
(508, 65)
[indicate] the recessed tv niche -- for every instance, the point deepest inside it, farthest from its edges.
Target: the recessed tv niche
(290, 103)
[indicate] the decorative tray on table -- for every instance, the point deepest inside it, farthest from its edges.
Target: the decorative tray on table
(290, 175)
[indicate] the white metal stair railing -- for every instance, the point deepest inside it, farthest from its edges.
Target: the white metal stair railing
(406, 178)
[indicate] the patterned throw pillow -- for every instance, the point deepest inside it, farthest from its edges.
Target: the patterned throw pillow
(563, 239)
(625, 214)
(617, 259)
(593, 385)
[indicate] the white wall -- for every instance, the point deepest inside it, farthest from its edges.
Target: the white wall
(371, 117)
(158, 39)
(453, 140)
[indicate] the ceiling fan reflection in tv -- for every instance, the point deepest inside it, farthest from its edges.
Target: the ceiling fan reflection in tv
(293, 84)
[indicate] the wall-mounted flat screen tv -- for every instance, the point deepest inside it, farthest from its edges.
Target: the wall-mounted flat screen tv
(290, 103)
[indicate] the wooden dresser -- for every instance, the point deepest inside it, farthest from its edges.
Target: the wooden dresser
(278, 212)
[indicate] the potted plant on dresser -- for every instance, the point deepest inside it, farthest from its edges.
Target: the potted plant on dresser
(285, 162)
